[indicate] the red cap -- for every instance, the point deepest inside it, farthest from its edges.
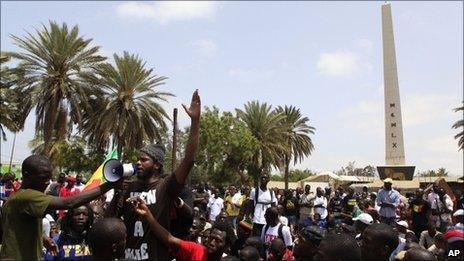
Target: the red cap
(454, 234)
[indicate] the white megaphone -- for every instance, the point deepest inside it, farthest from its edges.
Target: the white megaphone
(113, 170)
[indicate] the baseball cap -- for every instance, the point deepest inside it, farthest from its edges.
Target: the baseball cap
(403, 223)
(459, 212)
(365, 218)
(388, 180)
(453, 235)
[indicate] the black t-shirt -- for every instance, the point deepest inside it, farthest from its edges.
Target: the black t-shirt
(180, 225)
(349, 202)
(419, 208)
(159, 196)
(336, 205)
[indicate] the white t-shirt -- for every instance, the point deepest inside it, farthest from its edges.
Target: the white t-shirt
(215, 205)
(46, 224)
(283, 220)
(431, 197)
(321, 211)
(273, 233)
(264, 202)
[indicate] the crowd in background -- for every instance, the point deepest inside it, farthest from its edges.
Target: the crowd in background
(278, 224)
(159, 216)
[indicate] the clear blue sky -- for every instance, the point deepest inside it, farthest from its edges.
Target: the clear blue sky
(323, 57)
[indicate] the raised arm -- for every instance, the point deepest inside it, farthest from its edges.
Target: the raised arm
(159, 231)
(186, 165)
(81, 198)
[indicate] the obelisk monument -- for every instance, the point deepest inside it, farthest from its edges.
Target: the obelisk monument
(394, 144)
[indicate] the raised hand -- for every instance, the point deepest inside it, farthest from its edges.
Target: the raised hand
(139, 205)
(194, 110)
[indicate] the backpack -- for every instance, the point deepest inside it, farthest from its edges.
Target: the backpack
(279, 231)
(257, 194)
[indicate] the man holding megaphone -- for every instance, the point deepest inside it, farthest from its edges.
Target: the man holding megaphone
(158, 193)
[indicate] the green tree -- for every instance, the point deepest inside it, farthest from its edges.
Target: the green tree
(294, 175)
(298, 141)
(267, 127)
(53, 63)
(441, 172)
(460, 125)
(226, 148)
(13, 107)
(72, 154)
(352, 170)
(131, 113)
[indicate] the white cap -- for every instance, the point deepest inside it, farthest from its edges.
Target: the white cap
(388, 180)
(403, 223)
(459, 212)
(365, 218)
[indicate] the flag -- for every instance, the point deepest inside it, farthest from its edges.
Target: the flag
(97, 178)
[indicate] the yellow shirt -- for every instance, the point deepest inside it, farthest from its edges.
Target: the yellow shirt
(231, 209)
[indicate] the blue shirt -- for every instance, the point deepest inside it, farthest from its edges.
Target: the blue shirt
(388, 196)
(71, 249)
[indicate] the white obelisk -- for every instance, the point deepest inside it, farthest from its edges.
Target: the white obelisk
(394, 144)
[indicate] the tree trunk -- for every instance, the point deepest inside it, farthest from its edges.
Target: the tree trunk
(287, 166)
(174, 141)
(119, 148)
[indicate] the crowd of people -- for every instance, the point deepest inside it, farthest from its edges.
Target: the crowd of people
(157, 216)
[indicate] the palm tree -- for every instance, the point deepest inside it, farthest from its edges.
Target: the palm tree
(54, 62)
(299, 141)
(267, 127)
(59, 149)
(129, 109)
(14, 108)
(460, 125)
(7, 106)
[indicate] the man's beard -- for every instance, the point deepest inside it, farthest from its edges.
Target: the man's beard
(146, 174)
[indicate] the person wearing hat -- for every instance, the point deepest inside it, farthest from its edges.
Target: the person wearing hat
(459, 218)
(307, 242)
(455, 238)
(403, 228)
(388, 199)
(159, 193)
(361, 222)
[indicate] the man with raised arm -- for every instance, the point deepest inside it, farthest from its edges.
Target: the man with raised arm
(158, 193)
(23, 212)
